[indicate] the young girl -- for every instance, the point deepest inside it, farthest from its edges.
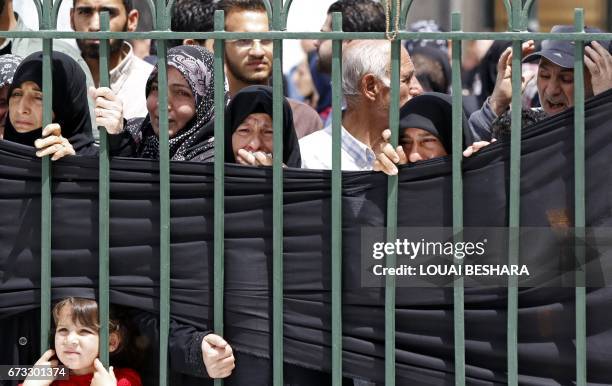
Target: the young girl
(77, 344)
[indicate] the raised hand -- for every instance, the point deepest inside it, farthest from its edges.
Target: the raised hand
(108, 109)
(599, 62)
(502, 93)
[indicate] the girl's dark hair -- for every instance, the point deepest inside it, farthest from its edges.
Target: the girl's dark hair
(85, 312)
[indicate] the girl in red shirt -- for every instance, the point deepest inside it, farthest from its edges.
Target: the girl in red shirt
(77, 342)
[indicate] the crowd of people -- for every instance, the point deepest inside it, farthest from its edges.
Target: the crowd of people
(130, 114)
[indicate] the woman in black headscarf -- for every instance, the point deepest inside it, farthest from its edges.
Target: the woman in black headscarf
(426, 127)
(425, 132)
(71, 131)
(190, 106)
(250, 107)
(248, 131)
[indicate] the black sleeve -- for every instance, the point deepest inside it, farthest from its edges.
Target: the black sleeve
(185, 347)
(122, 145)
(184, 343)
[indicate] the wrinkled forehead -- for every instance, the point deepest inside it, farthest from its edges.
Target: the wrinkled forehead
(258, 118)
(118, 4)
(417, 133)
(29, 85)
(550, 66)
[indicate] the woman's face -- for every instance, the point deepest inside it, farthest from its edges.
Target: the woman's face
(3, 107)
(181, 103)
(421, 145)
(253, 134)
(26, 107)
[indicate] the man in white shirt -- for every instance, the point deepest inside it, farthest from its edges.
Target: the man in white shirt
(129, 74)
(366, 87)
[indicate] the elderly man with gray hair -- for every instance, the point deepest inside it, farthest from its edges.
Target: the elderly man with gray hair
(366, 87)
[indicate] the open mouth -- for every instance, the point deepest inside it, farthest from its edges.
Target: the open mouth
(556, 106)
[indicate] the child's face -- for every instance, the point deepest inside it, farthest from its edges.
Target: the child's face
(76, 346)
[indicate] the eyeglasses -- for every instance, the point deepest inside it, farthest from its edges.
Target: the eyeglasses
(249, 43)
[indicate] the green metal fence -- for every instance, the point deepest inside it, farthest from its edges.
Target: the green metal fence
(278, 12)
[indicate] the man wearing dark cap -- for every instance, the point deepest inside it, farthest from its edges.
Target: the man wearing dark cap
(555, 79)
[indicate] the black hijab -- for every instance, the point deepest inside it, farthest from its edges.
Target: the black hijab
(258, 99)
(432, 112)
(195, 63)
(69, 100)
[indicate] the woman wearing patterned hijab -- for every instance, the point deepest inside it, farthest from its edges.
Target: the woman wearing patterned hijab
(8, 65)
(190, 105)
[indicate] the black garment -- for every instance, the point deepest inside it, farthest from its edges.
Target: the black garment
(424, 317)
(8, 49)
(69, 101)
(251, 100)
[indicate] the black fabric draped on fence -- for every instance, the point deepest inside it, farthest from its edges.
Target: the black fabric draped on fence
(424, 317)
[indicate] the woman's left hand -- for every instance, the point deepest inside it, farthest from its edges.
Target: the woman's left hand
(473, 148)
(108, 109)
(52, 143)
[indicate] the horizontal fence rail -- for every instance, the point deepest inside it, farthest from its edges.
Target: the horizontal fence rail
(278, 12)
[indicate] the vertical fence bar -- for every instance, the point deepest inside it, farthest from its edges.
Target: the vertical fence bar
(277, 194)
(458, 293)
(103, 205)
(514, 208)
(45, 237)
(219, 193)
(164, 196)
(336, 236)
(579, 203)
(392, 217)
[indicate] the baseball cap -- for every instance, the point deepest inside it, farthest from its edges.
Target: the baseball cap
(561, 52)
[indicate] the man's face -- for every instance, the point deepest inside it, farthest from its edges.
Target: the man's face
(420, 145)
(556, 87)
(324, 48)
(409, 86)
(85, 17)
(248, 60)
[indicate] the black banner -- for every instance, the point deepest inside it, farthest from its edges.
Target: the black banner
(424, 316)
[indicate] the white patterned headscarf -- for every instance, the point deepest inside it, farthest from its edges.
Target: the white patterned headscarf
(8, 65)
(195, 63)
